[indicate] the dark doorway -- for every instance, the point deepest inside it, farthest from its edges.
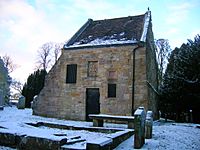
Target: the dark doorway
(92, 102)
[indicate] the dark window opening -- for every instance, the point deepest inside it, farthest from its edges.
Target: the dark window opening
(111, 90)
(71, 73)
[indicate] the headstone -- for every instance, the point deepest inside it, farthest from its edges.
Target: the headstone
(191, 117)
(149, 125)
(21, 102)
(1, 100)
(139, 124)
(33, 103)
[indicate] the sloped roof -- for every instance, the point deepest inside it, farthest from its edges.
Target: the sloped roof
(124, 30)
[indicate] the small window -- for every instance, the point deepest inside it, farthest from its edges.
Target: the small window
(71, 73)
(111, 90)
(92, 68)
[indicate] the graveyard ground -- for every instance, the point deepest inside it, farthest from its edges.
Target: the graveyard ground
(168, 135)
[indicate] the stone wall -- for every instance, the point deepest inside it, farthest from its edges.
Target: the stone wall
(140, 86)
(152, 73)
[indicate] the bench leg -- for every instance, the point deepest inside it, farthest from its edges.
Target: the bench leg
(97, 123)
(131, 125)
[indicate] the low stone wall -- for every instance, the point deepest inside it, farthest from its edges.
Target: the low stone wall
(28, 142)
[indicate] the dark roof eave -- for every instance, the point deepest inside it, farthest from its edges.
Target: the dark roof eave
(99, 46)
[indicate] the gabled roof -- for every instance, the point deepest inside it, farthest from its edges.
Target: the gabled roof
(126, 30)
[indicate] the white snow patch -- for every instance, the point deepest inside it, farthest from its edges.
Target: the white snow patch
(165, 135)
(101, 141)
(138, 112)
(145, 28)
(102, 41)
(113, 116)
(13, 120)
(121, 34)
(6, 148)
(172, 136)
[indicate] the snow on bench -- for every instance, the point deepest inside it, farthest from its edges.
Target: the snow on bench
(98, 119)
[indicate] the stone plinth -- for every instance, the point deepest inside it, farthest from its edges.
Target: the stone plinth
(139, 123)
(1, 100)
(149, 125)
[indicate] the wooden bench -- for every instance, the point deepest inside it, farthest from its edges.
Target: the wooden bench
(98, 119)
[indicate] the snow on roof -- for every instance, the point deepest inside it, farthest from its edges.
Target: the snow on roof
(146, 25)
(110, 31)
(98, 41)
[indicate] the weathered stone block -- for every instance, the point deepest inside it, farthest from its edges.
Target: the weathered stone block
(34, 102)
(130, 124)
(139, 124)
(149, 125)
(21, 103)
(7, 139)
(1, 98)
(97, 123)
(99, 144)
(33, 143)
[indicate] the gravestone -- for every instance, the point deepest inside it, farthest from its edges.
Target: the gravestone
(1, 100)
(21, 102)
(139, 124)
(191, 117)
(149, 125)
(33, 103)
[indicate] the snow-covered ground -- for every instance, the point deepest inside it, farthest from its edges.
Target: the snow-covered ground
(169, 135)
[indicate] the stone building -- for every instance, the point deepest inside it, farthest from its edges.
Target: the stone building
(108, 66)
(4, 85)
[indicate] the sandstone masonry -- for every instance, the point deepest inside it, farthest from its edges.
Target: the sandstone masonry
(116, 78)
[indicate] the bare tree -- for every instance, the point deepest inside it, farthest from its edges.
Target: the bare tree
(44, 57)
(57, 50)
(48, 54)
(17, 85)
(8, 63)
(163, 51)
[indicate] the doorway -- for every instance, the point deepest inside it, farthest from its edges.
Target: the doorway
(92, 102)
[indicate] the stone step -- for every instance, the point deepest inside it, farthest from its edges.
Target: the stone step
(75, 146)
(101, 143)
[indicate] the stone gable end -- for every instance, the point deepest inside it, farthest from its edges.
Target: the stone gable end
(106, 72)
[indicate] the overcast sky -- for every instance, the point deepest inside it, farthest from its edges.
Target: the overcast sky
(27, 24)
